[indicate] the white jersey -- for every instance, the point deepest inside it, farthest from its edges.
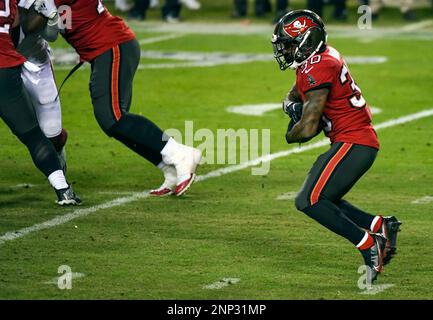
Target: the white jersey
(33, 46)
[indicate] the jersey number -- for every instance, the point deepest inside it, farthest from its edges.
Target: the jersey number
(357, 100)
(4, 14)
(100, 7)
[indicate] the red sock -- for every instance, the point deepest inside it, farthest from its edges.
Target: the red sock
(376, 224)
(366, 243)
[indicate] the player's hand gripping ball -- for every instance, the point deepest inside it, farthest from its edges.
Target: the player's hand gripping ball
(294, 110)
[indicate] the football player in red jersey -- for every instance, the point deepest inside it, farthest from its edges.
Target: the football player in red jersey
(114, 54)
(17, 111)
(325, 97)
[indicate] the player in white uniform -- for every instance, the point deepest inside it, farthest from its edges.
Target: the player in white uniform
(38, 79)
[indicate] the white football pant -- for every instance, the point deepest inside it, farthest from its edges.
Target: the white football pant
(41, 86)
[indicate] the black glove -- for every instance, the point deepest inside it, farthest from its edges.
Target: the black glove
(293, 109)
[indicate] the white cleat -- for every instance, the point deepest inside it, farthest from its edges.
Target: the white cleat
(186, 172)
(170, 176)
(186, 160)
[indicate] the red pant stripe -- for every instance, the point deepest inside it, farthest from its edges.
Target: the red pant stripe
(327, 172)
(115, 83)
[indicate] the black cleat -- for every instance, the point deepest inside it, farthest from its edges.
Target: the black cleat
(373, 257)
(390, 229)
(67, 197)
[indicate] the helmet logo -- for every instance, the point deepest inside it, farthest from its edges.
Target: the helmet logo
(299, 26)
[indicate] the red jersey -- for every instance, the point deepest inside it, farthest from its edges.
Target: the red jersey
(9, 57)
(347, 115)
(93, 29)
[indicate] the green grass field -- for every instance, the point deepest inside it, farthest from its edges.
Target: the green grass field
(231, 226)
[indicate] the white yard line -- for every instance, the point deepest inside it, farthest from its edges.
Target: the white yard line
(225, 282)
(66, 58)
(160, 39)
(417, 31)
(25, 186)
(113, 192)
(244, 29)
(423, 200)
(287, 196)
(217, 59)
(254, 109)
(418, 26)
(404, 119)
(59, 220)
(78, 213)
(203, 28)
(259, 110)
